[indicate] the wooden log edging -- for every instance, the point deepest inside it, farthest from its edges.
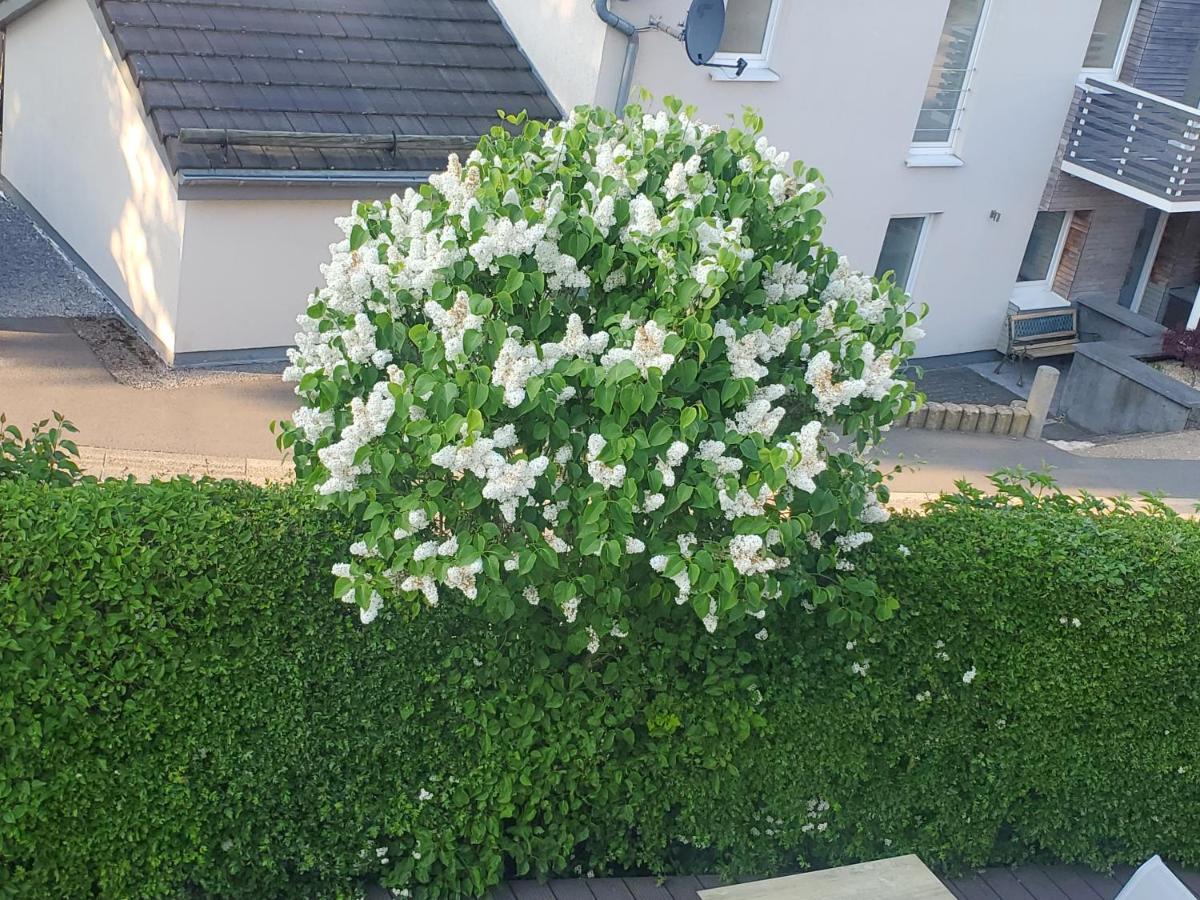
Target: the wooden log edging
(970, 418)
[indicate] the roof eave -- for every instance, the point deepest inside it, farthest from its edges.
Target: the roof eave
(292, 184)
(11, 9)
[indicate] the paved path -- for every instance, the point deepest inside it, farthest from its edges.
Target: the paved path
(934, 460)
(46, 366)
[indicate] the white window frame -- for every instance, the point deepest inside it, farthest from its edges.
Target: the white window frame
(757, 64)
(949, 147)
(918, 250)
(1122, 46)
(1045, 285)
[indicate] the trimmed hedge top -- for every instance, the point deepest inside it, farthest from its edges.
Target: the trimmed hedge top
(183, 709)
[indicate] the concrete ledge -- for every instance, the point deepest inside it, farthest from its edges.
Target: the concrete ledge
(1111, 390)
(974, 418)
(144, 465)
(1110, 322)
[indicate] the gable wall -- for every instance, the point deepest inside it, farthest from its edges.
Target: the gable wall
(77, 148)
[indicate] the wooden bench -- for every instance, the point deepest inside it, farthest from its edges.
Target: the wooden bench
(1035, 333)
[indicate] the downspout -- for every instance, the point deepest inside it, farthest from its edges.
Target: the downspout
(626, 28)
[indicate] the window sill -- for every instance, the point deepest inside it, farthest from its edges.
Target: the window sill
(752, 73)
(920, 160)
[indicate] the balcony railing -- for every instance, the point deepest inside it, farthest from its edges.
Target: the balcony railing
(1137, 144)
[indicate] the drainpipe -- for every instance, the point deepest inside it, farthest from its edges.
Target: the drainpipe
(626, 28)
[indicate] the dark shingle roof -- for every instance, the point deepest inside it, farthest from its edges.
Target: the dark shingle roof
(409, 67)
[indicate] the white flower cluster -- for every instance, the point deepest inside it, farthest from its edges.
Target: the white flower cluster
(475, 342)
(505, 482)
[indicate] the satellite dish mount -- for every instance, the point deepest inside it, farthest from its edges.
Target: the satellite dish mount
(701, 34)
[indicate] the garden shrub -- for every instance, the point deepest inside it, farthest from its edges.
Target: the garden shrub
(602, 368)
(46, 454)
(183, 711)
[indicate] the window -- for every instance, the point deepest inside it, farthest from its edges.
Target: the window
(950, 79)
(749, 25)
(901, 250)
(1041, 253)
(1109, 35)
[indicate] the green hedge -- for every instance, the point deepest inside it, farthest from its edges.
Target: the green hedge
(182, 708)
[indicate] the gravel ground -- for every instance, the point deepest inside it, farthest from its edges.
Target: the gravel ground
(36, 279)
(131, 362)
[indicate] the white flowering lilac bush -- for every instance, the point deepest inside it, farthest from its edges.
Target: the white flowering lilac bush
(599, 370)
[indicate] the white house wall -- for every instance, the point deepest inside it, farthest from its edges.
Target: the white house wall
(248, 269)
(565, 41)
(852, 75)
(77, 148)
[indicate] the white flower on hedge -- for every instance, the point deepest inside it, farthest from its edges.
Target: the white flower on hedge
(686, 542)
(643, 221)
(424, 795)
(368, 421)
(425, 584)
(745, 552)
(312, 422)
(903, 550)
(652, 502)
(714, 452)
(860, 668)
(453, 324)
(759, 416)
(784, 283)
(593, 643)
(710, 620)
(463, 578)
(340, 570)
(570, 609)
(747, 352)
(969, 675)
(374, 605)
(555, 543)
(761, 634)
(848, 542)
(530, 593)
(874, 513)
(743, 503)
(646, 352)
(634, 545)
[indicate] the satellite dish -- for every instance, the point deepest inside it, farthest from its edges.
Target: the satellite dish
(703, 30)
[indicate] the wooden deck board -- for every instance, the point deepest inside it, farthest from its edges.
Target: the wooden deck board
(1006, 885)
(1039, 884)
(1068, 880)
(610, 889)
(683, 887)
(530, 890)
(647, 889)
(571, 889)
(973, 887)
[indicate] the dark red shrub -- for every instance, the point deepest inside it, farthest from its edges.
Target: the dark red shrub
(1184, 345)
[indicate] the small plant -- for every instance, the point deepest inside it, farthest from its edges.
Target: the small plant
(1183, 344)
(45, 456)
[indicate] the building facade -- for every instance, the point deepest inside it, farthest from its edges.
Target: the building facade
(990, 152)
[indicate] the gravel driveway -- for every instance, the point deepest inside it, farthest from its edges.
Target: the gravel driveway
(35, 278)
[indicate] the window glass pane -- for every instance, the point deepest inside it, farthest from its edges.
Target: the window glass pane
(745, 26)
(1043, 241)
(943, 95)
(1106, 35)
(900, 249)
